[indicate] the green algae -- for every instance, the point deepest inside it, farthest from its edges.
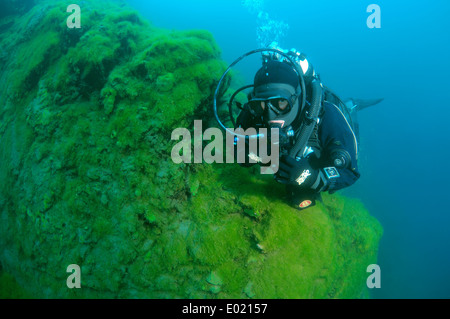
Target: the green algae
(10, 289)
(86, 117)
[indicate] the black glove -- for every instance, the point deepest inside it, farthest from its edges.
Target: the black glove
(299, 173)
(301, 198)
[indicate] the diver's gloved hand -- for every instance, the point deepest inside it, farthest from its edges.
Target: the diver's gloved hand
(298, 173)
(241, 154)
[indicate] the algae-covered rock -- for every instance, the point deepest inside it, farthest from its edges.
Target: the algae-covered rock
(86, 117)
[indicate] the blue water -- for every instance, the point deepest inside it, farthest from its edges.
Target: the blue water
(405, 143)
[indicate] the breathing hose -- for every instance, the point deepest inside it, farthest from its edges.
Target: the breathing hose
(311, 117)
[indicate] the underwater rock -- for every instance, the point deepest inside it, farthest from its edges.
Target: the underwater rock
(248, 290)
(214, 279)
(85, 122)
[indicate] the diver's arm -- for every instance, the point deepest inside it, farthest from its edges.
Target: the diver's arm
(305, 178)
(339, 150)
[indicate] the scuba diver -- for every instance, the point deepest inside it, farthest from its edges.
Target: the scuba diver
(317, 138)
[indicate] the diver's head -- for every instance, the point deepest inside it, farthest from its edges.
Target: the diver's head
(276, 93)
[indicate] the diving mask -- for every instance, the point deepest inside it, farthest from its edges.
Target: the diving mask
(275, 102)
(278, 105)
